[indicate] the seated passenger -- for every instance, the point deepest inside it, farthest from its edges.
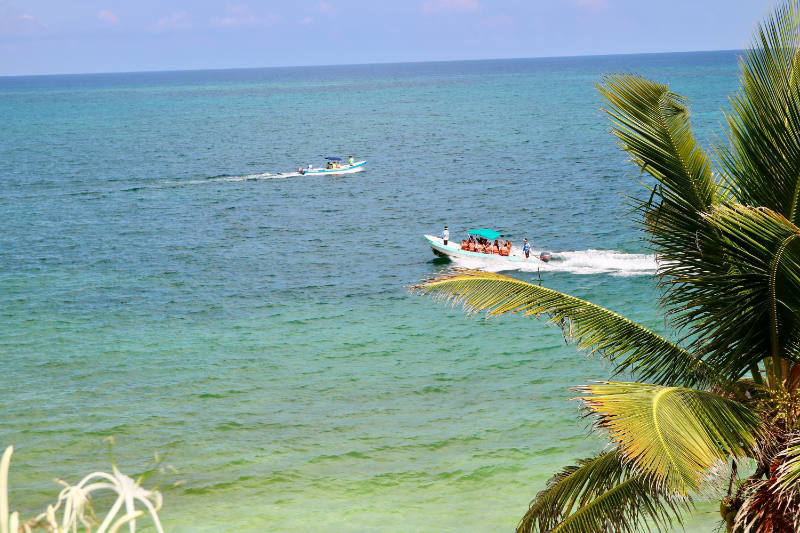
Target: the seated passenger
(472, 245)
(464, 244)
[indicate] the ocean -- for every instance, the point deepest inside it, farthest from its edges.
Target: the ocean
(167, 278)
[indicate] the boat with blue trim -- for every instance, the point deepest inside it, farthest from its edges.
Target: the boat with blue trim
(453, 249)
(333, 166)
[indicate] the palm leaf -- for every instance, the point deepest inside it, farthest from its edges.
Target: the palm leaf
(628, 345)
(762, 163)
(760, 292)
(674, 434)
(597, 491)
(653, 126)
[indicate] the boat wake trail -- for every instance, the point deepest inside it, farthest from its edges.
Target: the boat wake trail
(610, 262)
(248, 177)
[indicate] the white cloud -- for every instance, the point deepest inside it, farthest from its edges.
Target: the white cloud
(175, 21)
(325, 7)
(452, 6)
(107, 16)
(592, 4)
(15, 21)
(241, 15)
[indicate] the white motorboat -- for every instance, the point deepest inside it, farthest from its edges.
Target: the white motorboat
(453, 249)
(357, 166)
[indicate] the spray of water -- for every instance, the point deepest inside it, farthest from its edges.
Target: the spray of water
(610, 262)
(248, 177)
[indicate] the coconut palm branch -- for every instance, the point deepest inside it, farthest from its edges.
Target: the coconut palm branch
(599, 491)
(652, 125)
(702, 276)
(760, 294)
(628, 345)
(761, 165)
(674, 434)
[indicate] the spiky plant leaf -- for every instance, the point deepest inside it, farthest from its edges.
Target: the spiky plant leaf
(762, 162)
(653, 126)
(628, 345)
(674, 434)
(759, 294)
(599, 491)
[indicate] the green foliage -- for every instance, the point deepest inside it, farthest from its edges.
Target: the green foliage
(675, 434)
(762, 163)
(599, 491)
(760, 293)
(629, 346)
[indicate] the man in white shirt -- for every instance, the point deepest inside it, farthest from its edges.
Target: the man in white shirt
(445, 235)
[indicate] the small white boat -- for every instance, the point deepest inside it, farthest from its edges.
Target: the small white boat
(453, 249)
(357, 166)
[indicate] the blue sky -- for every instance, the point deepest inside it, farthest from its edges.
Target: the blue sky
(58, 36)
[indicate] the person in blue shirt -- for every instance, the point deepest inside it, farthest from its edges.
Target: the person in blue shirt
(445, 235)
(526, 248)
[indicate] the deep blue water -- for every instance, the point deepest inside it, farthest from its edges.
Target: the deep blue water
(159, 282)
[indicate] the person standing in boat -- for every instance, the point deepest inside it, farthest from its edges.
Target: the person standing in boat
(526, 247)
(445, 235)
(350, 160)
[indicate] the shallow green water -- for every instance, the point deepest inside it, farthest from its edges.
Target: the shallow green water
(159, 283)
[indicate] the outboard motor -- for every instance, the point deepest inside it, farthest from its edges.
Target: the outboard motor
(545, 256)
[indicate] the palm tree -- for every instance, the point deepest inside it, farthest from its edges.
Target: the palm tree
(720, 405)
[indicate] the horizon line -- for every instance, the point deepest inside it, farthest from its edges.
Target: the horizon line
(375, 63)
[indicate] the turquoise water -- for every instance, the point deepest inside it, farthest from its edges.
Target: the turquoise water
(162, 283)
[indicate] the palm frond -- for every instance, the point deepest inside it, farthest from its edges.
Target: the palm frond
(759, 293)
(653, 126)
(596, 492)
(674, 434)
(762, 163)
(628, 345)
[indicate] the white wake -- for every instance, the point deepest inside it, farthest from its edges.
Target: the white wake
(610, 262)
(248, 177)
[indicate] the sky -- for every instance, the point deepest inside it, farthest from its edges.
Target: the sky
(83, 36)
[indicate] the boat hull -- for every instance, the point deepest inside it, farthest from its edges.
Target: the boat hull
(453, 250)
(347, 169)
